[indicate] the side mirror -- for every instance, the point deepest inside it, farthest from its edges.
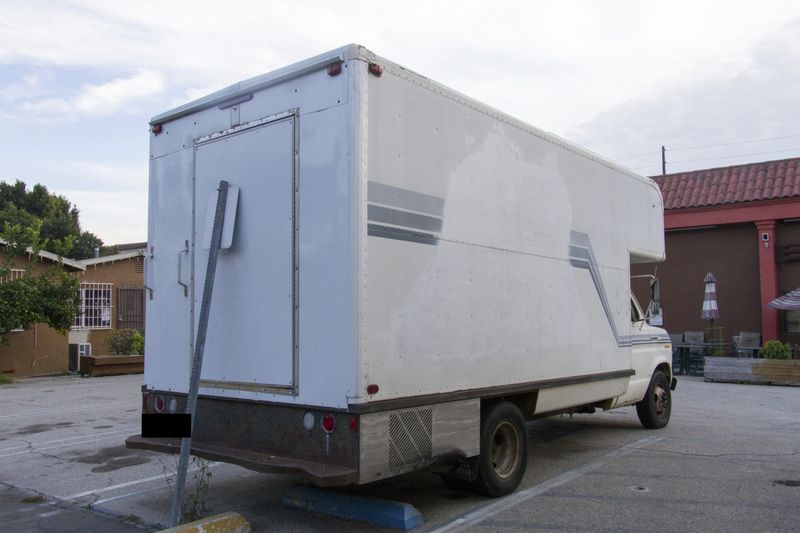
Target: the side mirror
(655, 296)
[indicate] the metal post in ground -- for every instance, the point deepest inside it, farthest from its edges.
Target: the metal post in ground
(199, 346)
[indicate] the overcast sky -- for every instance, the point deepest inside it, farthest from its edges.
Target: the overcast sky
(711, 81)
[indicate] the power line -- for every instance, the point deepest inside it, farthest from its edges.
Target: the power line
(720, 157)
(734, 156)
(734, 143)
(710, 146)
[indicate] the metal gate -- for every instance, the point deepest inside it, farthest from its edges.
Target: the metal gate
(130, 306)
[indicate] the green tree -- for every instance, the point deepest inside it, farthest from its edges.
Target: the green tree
(59, 225)
(50, 297)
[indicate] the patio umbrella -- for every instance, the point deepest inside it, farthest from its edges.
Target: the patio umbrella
(788, 302)
(710, 309)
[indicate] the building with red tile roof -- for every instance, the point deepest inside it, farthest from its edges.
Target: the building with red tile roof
(713, 187)
(742, 223)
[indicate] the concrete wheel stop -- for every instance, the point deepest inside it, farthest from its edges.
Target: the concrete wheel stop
(222, 523)
(377, 511)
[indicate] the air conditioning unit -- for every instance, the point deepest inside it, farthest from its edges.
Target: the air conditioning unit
(84, 349)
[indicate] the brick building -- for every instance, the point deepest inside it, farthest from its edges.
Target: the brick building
(38, 349)
(112, 297)
(742, 223)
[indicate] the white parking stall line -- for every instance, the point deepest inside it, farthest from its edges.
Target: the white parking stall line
(69, 410)
(96, 504)
(498, 506)
(123, 485)
(32, 446)
(45, 448)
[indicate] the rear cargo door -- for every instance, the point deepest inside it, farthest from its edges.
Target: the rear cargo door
(251, 340)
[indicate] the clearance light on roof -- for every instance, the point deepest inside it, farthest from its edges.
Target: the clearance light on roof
(375, 69)
(156, 129)
(335, 69)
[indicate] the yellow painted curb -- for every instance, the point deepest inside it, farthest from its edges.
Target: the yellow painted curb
(221, 523)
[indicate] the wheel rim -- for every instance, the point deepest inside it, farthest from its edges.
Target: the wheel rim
(661, 400)
(505, 450)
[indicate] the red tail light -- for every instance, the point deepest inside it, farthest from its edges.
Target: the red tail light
(353, 424)
(160, 404)
(328, 423)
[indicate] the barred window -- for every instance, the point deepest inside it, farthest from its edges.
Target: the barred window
(94, 308)
(14, 273)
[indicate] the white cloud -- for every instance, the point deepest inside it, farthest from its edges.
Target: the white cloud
(622, 76)
(47, 106)
(115, 217)
(114, 95)
(754, 103)
(23, 88)
(553, 64)
(97, 100)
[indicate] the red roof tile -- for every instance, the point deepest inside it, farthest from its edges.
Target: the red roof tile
(768, 180)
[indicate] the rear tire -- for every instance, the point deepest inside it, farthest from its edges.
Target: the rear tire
(655, 408)
(504, 450)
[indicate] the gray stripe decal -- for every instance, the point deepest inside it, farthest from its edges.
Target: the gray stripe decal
(378, 193)
(399, 234)
(639, 340)
(582, 256)
(376, 213)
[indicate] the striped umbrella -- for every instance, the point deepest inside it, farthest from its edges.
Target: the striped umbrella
(789, 301)
(710, 309)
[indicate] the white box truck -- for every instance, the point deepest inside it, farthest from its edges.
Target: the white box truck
(408, 276)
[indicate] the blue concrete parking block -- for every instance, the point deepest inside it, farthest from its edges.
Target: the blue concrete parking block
(386, 513)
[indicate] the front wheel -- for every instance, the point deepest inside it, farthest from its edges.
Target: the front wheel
(655, 408)
(504, 450)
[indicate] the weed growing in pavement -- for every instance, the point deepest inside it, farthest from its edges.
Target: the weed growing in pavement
(5, 379)
(132, 519)
(194, 501)
(33, 499)
(194, 506)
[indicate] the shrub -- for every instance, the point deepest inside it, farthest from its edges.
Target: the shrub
(137, 344)
(126, 342)
(776, 350)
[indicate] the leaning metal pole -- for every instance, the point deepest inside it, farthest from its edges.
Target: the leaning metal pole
(199, 346)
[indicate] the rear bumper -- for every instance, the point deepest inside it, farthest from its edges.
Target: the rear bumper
(321, 474)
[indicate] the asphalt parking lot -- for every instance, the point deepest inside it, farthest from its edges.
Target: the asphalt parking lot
(728, 461)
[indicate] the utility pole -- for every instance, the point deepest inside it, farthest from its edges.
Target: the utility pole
(663, 160)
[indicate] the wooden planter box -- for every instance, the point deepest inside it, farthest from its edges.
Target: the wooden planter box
(109, 365)
(747, 370)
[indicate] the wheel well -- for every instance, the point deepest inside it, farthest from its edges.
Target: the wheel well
(664, 367)
(525, 402)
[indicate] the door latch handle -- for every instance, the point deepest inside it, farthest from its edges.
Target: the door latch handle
(180, 267)
(148, 261)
